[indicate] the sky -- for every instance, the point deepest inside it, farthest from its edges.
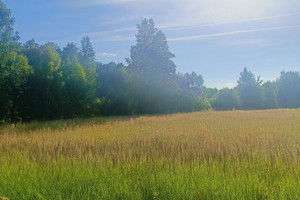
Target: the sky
(214, 38)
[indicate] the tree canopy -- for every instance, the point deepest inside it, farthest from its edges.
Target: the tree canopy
(289, 89)
(151, 53)
(250, 92)
(45, 81)
(7, 22)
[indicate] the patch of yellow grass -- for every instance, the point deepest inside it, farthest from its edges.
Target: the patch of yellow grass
(181, 137)
(231, 148)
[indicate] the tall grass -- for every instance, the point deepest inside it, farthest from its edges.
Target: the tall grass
(208, 155)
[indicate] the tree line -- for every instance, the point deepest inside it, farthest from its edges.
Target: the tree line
(252, 93)
(45, 81)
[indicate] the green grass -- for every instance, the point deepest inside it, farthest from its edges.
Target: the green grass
(208, 155)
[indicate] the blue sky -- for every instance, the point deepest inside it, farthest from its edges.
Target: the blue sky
(215, 38)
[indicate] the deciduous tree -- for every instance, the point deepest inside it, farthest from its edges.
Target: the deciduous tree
(250, 91)
(289, 89)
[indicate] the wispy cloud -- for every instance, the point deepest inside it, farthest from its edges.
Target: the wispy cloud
(211, 12)
(127, 34)
(189, 16)
(248, 42)
(110, 32)
(229, 85)
(109, 21)
(107, 54)
(114, 38)
(124, 34)
(190, 25)
(253, 19)
(101, 2)
(197, 37)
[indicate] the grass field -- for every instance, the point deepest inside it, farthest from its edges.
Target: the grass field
(208, 155)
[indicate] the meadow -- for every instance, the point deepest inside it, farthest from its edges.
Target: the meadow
(205, 155)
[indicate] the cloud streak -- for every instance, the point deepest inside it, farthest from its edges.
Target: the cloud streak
(248, 42)
(252, 19)
(108, 36)
(186, 26)
(107, 54)
(102, 2)
(198, 37)
(229, 85)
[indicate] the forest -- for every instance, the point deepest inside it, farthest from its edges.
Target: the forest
(46, 81)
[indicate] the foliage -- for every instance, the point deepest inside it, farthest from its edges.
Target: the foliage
(153, 86)
(87, 53)
(7, 33)
(75, 90)
(202, 104)
(289, 89)
(270, 91)
(226, 99)
(250, 91)
(14, 70)
(112, 89)
(44, 86)
(193, 82)
(151, 55)
(209, 92)
(43, 81)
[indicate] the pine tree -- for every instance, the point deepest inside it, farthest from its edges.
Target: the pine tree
(151, 53)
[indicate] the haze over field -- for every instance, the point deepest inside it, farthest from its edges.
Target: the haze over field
(211, 37)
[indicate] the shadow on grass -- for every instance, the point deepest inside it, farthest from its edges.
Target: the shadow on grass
(60, 124)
